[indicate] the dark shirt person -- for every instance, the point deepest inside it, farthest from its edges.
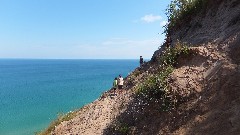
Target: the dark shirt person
(141, 61)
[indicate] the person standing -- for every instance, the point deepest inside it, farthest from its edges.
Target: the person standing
(120, 82)
(141, 61)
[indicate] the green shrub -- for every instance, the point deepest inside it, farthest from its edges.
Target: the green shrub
(136, 73)
(170, 55)
(155, 87)
(124, 129)
(179, 11)
(120, 128)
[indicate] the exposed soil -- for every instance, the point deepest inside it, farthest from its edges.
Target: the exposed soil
(208, 83)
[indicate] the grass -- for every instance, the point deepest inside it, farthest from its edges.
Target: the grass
(61, 117)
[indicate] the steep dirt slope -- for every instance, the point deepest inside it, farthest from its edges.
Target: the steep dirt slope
(211, 76)
(207, 82)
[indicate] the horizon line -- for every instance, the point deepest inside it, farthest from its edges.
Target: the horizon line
(71, 58)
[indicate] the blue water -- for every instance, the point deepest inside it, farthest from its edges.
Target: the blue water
(33, 92)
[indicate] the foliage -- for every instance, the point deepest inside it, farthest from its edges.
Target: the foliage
(124, 129)
(61, 117)
(155, 85)
(120, 128)
(169, 56)
(136, 73)
(179, 10)
(155, 88)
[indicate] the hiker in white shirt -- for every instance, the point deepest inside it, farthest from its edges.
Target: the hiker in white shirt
(120, 82)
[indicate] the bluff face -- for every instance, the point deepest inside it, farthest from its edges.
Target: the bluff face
(206, 85)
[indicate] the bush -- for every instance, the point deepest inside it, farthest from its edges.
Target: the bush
(120, 128)
(179, 11)
(156, 87)
(170, 55)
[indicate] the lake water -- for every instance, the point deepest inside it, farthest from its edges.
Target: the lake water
(33, 92)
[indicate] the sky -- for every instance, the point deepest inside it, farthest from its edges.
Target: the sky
(81, 29)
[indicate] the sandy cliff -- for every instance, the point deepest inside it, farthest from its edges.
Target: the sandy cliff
(206, 85)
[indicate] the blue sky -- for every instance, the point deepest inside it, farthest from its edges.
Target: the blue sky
(81, 29)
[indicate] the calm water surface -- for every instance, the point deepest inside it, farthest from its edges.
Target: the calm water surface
(33, 92)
